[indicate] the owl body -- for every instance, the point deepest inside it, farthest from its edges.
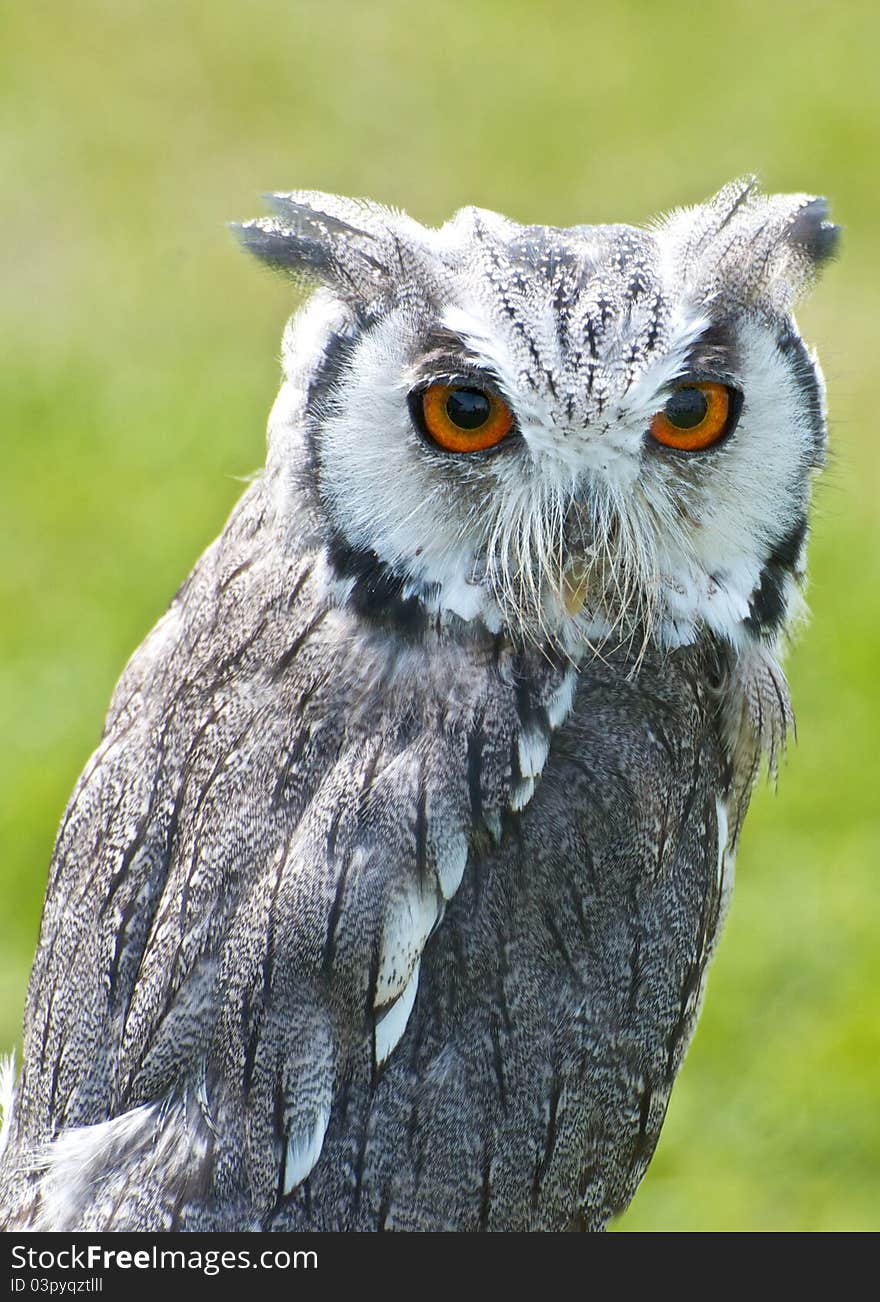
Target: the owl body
(387, 899)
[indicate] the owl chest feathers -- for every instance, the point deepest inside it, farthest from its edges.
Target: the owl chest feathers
(361, 879)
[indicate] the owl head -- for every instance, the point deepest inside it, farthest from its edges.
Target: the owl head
(569, 434)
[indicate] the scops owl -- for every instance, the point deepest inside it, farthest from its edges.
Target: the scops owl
(386, 900)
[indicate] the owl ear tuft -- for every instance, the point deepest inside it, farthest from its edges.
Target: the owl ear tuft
(761, 251)
(349, 244)
(812, 235)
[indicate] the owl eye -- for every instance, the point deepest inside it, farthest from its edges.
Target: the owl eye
(460, 418)
(696, 416)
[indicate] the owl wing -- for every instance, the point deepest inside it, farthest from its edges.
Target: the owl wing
(282, 804)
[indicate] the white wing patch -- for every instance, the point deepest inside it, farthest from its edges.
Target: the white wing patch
(451, 861)
(533, 748)
(392, 1024)
(411, 916)
(721, 808)
(303, 1151)
(522, 793)
(559, 706)
(533, 745)
(726, 860)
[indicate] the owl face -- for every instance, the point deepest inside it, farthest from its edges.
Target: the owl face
(565, 433)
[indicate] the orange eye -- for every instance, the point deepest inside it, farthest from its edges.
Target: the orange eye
(695, 417)
(462, 419)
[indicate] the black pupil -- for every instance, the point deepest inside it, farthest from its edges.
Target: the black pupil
(468, 408)
(687, 408)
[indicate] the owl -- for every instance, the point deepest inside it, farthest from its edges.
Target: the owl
(387, 898)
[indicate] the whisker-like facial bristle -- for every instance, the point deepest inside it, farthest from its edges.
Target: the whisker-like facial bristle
(559, 558)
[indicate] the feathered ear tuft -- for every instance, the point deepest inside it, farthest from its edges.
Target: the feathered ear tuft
(268, 240)
(357, 247)
(813, 234)
(760, 250)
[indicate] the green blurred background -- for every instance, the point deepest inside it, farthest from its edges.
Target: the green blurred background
(139, 362)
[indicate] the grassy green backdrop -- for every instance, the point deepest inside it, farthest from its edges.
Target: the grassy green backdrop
(138, 365)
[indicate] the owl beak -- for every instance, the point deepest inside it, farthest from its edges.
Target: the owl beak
(574, 586)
